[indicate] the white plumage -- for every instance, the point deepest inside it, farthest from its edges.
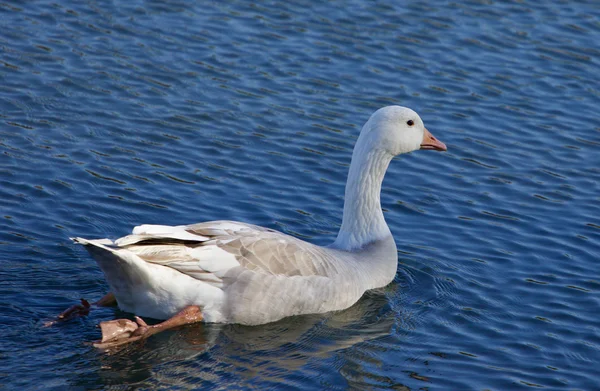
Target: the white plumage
(241, 273)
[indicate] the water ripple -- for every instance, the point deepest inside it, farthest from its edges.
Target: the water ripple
(162, 112)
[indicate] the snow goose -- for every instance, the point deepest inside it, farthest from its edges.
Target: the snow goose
(233, 272)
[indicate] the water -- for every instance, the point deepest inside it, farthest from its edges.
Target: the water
(117, 114)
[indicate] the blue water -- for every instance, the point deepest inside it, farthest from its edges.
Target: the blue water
(114, 114)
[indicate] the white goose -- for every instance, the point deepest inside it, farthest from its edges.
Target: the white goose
(232, 272)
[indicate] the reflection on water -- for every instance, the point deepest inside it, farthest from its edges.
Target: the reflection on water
(278, 353)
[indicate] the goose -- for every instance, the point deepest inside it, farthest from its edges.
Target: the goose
(234, 272)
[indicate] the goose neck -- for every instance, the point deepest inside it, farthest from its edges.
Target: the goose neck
(363, 220)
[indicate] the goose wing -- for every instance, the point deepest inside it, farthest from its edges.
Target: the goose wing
(207, 251)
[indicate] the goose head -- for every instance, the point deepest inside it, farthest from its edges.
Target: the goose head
(396, 130)
(390, 131)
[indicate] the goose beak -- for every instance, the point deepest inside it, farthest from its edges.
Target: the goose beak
(430, 142)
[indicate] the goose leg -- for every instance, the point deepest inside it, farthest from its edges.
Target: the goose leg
(83, 308)
(108, 300)
(123, 331)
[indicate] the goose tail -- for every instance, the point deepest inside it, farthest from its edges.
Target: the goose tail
(127, 274)
(149, 289)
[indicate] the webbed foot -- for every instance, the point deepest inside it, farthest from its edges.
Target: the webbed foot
(83, 309)
(73, 311)
(123, 331)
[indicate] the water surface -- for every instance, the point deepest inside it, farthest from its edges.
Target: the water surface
(118, 114)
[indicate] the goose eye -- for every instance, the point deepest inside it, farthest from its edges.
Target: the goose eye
(410, 122)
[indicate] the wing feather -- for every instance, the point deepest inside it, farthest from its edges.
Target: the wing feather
(207, 251)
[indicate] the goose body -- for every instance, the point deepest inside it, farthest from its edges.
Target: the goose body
(236, 272)
(242, 273)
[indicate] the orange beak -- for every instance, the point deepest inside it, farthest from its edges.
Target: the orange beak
(430, 142)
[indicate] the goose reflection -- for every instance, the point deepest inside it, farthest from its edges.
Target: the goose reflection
(227, 355)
